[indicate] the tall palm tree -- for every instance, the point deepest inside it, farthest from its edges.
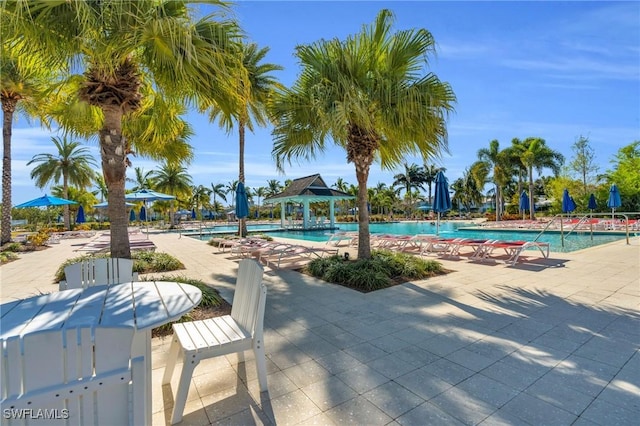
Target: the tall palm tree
(255, 90)
(260, 192)
(413, 177)
(101, 186)
(534, 153)
(173, 179)
(430, 172)
(497, 161)
(368, 95)
(342, 185)
(218, 190)
(21, 90)
(126, 49)
(72, 163)
(143, 180)
(199, 198)
(273, 187)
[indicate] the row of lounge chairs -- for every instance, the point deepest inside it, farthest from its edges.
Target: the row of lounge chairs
(102, 243)
(275, 255)
(582, 224)
(427, 244)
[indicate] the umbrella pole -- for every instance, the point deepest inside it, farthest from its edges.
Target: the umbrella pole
(561, 232)
(438, 225)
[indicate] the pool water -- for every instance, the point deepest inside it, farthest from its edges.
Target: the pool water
(451, 230)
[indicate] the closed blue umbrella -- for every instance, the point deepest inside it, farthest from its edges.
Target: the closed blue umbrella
(614, 199)
(592, 202)
(132, 215)
(568, 205)
(193, 213)
(80, 216)
(441, 199)
(242, 203)
(524, 203)
(143, 214)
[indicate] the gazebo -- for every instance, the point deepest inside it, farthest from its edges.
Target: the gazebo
(307, 190)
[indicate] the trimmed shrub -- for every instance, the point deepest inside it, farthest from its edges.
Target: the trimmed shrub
(384, 269)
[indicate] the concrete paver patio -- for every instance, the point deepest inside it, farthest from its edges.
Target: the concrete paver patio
(485, 344)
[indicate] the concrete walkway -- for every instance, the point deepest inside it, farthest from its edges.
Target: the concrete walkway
(486, 344)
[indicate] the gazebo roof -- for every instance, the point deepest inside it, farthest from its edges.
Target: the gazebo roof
(311, 188)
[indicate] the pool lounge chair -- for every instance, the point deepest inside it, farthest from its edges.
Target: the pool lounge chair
(337, 238)
(293, 256)
(512, 250)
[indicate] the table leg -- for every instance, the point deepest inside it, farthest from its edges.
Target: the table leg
(142, 347)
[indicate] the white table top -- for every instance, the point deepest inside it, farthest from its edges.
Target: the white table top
(141, 305)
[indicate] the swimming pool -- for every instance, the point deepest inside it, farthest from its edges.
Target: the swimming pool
(451, 230)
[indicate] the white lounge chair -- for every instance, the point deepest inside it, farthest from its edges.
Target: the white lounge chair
(235, 333)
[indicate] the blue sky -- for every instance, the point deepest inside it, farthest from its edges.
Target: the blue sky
(555, 70)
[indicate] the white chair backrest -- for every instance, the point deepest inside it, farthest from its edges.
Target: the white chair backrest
(249, 297)
(82, 376)
(98, 271)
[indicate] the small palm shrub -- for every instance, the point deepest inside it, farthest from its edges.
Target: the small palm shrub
(384, 269)
(143, 262)
(7, 256)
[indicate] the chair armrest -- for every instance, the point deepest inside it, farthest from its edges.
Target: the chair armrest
(134, 277)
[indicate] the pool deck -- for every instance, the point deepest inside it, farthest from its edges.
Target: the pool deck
(545, 342)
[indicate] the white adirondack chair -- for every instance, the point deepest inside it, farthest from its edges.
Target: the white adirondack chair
(98, 271)
(78, 376)
(235, 333)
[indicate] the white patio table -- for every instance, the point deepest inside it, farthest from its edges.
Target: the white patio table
(141, 305)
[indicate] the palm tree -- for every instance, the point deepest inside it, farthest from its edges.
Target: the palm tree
(101, 186)
(199, 197)
(218, 190)
(21, 90)
(430, 172)
(260, 192)
(255, 89)
(366, 94)
(71, 163)
(413, 178)
(143, 180)
(173, 179)
(534, 153)
(126, 50)
(497, 161)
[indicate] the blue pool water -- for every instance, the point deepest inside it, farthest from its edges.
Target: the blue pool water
(451, 230)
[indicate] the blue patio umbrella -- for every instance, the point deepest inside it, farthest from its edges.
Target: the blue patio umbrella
(441, 199)
(193, 213)
(45, 201)
(105, 204)
(80, 216)
(568, 205)
(242, 203)
(524, 203)
(143, 214)
(147, 195)
(132, 215)
(592, 202)
(614, 199)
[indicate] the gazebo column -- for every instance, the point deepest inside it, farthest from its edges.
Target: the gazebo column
(305, 213)
(332, 213)
(282, 214)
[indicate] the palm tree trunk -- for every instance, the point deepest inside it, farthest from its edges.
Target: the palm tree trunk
(8, 108)
(65, 208)
(531, 199)
(364, 243)
(112, 146)
(242, 223)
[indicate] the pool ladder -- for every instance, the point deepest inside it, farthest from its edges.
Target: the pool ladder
(582, 221)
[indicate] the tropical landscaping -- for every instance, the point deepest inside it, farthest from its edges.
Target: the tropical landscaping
(129, 82)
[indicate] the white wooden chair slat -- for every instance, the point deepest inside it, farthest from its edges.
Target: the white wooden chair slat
(11, 378)
(98, 271)
(56, 371)
(233, 333)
